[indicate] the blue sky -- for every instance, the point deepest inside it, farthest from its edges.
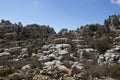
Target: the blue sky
(58, 14)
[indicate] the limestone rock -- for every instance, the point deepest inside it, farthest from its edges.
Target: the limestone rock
(26, 67)
(110, 57)
(88, 53)
(60, 40)
(4, 54)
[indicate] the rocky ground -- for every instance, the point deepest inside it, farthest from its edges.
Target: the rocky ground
(37, 52)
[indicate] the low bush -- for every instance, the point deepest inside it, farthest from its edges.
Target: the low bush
(115, 71)
(97, 71)
(101, 45)
(112, 71)
(5, 72)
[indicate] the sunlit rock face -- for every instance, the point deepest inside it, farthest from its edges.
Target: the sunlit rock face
(113, 22)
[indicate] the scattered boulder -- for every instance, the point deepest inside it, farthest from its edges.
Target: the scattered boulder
(15, 50)
(110, 57)
(57, 65)
(88, 53)
(4, 54)
(39, 77)
(28, 66)
(24, 51)
(60, 40)
(46, 47)
(62, 46)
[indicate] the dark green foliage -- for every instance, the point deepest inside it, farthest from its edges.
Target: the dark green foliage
(30, 50)
(101, 45)
(95, 70)
(15, 77)
(98, 71)
(73, 48)
(5, 72)
(93, 28)
(37, 31)
(115, 71)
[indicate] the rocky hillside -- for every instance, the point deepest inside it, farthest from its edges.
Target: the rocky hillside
(37, 52)
(17, 34)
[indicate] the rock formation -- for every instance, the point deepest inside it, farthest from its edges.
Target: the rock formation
(37, 52)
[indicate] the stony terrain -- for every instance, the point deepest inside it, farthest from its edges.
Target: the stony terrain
(37, 52)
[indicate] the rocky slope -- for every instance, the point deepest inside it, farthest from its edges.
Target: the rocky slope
(37, 52)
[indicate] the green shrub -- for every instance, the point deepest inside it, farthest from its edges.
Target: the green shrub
(112, 71)
(101, 45)
(93, 28)
(5, 72)
(115, 71)
(15, 77)
(29, 76)
(3, 78)
(98, 71)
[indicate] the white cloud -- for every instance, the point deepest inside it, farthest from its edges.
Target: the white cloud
(115, 2)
